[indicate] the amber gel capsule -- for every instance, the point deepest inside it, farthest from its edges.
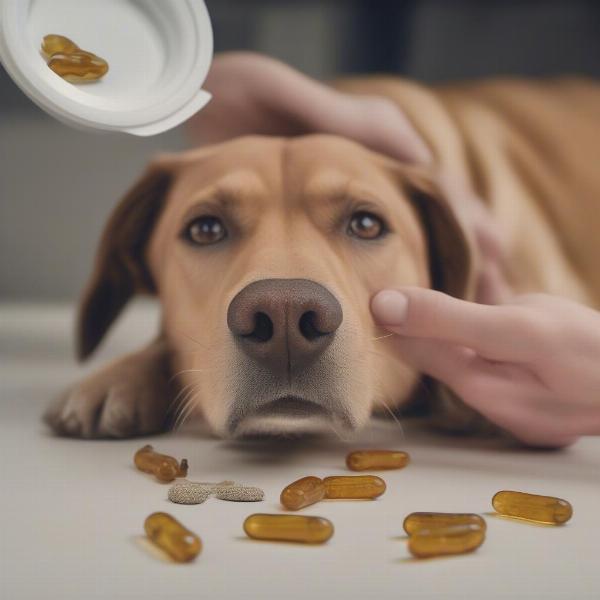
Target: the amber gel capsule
(171, 536)
(542, 509)
(366, 460)
(353, 486)
(164, 468)
(288, 528)
(433, 520)
(442, 541)
(78, 66)
(303, 492)
(53, 44)
(69, 61)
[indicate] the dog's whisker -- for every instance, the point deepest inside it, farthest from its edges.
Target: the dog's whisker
(189, 371)
(179, 414)
(178, 400)
(382, 337)
(383, 403)
(192, 391)
(192, 339)
(185, 414)
(337, 433)
(176, 414)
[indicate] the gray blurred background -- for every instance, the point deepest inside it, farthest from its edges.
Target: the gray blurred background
(57, 185)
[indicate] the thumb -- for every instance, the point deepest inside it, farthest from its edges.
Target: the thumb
(496, 332)
(422, 313)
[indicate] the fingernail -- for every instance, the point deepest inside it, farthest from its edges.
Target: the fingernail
(390, 307)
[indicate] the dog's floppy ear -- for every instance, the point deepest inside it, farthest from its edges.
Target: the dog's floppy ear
(451, 255)
(452, 268)
(120, 271)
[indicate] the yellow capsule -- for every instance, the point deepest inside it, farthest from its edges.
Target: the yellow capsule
(53, 44)
(164, 468)
(78, 66)
(288, 528)
(366, 460)
(542, 509)
(353, 486)
(171, 536)
(457, 539)
(303, 492)
(433, 520)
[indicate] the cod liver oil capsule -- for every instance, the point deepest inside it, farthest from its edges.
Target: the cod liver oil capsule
(78, 66)
(433, 520)
(366, 460)
(458, 539)
(53, 44)
(288, 528)
(164, 468)
(69, 61)
(303, 492)
(542, 509)
(353, 486)
(171, 536)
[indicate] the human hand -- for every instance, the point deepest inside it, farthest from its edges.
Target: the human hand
(255, 94)
(530, 366)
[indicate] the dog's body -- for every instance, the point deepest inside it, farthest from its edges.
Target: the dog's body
(267, 326)
(531, 151)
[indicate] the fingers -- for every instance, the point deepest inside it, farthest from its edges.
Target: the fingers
(486, 387)
(257, 94)
(462, 369)
(496, 332)
(509, 395)
(387, 129)
(251, 95)
(444, 361)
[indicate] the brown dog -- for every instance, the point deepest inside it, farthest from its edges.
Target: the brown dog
(264, 253)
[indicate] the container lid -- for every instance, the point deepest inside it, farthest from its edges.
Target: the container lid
(158, 51)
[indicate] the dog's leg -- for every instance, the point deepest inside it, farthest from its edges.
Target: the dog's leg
(129, 397)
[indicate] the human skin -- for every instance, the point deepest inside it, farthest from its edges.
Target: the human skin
(529, 365)
(255, 94)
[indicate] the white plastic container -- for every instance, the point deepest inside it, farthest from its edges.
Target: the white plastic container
(158, 51)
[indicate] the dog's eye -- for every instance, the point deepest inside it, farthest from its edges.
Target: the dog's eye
(366, 226)
(205, 230)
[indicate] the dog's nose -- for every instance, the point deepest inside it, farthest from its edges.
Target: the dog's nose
(284, 324)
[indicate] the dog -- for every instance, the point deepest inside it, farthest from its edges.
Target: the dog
(264, 253)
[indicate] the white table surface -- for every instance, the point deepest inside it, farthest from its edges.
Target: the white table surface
(72, 511)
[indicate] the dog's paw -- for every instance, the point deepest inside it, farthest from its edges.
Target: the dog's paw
(126, 399)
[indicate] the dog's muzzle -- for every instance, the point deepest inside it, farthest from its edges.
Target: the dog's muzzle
(282, 328)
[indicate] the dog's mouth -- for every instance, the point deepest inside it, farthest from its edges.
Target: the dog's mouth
(285, 415)
(292, 407)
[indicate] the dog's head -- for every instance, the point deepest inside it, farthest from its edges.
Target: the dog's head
(264, 253)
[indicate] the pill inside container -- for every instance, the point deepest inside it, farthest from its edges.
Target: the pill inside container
(159, 52)
(70, 61)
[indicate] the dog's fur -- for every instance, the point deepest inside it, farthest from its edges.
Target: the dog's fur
(529, 150)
